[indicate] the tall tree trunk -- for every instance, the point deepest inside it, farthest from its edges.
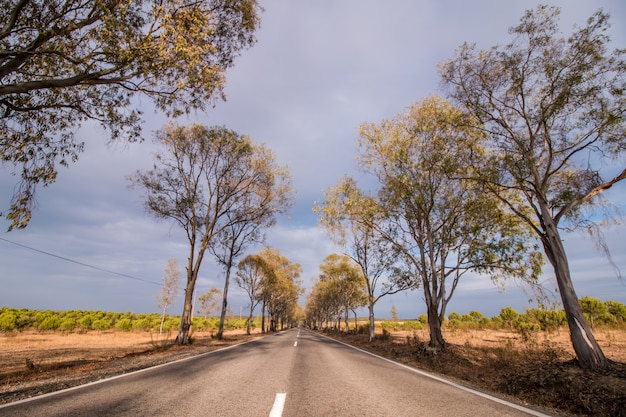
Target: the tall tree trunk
(263, 318)
(220, 330)
(185, 321)
(162, 319)
(434, 325)
(589, 353)
(370, 307)
(250, 318)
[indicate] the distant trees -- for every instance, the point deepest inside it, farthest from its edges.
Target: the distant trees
(352, 219)
(251, 271)
(211, 181)
(553, 111)
(340, 288)
(169, 289)
(66, 62)
(280, 289)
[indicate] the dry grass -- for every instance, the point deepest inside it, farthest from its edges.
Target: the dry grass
(34, 363)
(540, 371)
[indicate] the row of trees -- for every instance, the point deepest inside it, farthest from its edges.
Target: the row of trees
(478, 184)
(222, 189)
(273, 281)
(599, 313)
(85, 320)
(63, 63)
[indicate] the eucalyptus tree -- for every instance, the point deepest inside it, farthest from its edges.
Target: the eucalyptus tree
(322, 305)
(169, 289)
(264, 193)
(66, 62)
(444, 226)
(251, 271)
(209, 181)
(280, 289)
(553, 108)
(353, 220)
(348, 284)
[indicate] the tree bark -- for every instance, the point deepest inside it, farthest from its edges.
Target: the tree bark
(250, 317)
(370, 307)
(434, 325)
(185, 321)
(588, 352)
(220, 331)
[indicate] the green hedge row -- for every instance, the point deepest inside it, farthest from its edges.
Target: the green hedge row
(598, 313)
(84, 320)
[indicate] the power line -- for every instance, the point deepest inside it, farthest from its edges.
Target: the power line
(82, 263)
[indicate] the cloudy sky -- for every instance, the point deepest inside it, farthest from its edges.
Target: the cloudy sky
(320, 69)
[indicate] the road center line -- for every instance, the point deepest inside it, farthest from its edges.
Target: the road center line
(295, 343)
(279, 403)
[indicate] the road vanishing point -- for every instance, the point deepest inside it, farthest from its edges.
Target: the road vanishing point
(295, 373)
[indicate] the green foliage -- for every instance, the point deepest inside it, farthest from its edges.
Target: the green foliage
(101, 324)
(124, 324)
(508, 316)
(389, 325)
(65, 62)
(526, 327)
(548, 319)
(8, 320)
(595, 311)
(412, 325)
(618, 310)
(68, 324)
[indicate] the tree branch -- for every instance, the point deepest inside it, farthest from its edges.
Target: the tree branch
(594, 192)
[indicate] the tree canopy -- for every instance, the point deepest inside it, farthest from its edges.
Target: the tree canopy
(443, 225)
(211, 182)
(553, 109)
(66, 62)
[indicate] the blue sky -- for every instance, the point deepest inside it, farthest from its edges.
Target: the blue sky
(320, 69)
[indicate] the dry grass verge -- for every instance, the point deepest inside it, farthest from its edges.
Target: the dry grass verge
(541, 371)
(33, 363)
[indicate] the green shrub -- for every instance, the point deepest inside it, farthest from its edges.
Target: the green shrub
(412, 325)
(86, 322)
(141, 324)
(49, 323)
(8, 321)
(618, 310)
(68, 324)
(124, 324)
(101, 324)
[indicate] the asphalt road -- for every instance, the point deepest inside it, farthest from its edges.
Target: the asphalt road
(293, 373)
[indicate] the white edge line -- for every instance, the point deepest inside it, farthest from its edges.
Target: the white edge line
(50, 394)
(279, 404)
(445, 381)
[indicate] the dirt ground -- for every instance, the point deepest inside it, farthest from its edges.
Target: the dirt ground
(538, 372)
(541, 371)
(35, 363)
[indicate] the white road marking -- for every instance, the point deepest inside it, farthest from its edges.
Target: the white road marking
(295, 343)
(279, 403)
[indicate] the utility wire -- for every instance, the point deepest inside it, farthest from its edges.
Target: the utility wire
(82, 263)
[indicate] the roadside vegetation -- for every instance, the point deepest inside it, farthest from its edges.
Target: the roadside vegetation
(524, 356)
(81, 321)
